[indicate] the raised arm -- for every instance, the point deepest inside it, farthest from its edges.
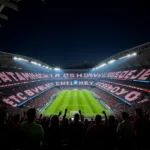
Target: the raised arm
(81, 116)
(64, 116)
(106, 119)
(59, 114)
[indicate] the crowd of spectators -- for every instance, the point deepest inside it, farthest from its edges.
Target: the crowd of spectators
(31, 132)
(119, 106)
(23, 129)
(19, 88)
(110, 100)
(78, 87)
(42, 99)
(130, 87)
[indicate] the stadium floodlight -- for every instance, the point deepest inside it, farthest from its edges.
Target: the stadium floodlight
(33, 62)
(128, 55)
(103, 65)
(15, 58)
(19, 58)
(46, 67)
(111, 61)
(57, 69)
(134, 54)
(39, 64)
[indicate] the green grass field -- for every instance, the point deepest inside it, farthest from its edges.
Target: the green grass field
(76, 100)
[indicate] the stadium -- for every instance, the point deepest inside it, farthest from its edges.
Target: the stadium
(119, 83)
(105, 106)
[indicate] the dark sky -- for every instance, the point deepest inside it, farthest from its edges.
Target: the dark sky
(68, 33)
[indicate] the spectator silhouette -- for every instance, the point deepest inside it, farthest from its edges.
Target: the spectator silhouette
(4, 131)
(76, 131)
(141, 128)
(96, 134)
(125, 132)
(112, 136)
(86, 124)
(54, 135)
(32, 133)
(15, 130)
(65, 129)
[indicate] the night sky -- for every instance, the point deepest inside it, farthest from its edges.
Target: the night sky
(68, 33)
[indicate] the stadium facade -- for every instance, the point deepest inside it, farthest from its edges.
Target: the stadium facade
(120, 82)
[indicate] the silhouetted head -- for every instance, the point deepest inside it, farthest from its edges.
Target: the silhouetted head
(31, 114)
(139, 112)
(54, 121)
(86, 121)
(76, 117)
(112, 120)
(125, 116)
(70, 119)
(98, 119)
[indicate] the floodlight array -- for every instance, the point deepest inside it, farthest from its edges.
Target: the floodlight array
(112, 61)
(19, 58)
(47, 67)
(32, 62)
(57, 69)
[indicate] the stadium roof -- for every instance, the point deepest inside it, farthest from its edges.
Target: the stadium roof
(136, 56)
(7, 60)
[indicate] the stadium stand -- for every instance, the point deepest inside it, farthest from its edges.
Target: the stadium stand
(116, 95)
(41, 100)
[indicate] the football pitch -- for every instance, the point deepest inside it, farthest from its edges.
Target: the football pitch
(75, 100)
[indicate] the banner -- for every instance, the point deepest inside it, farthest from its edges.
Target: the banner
(10, 78)
(13, 98)
(128, 94)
